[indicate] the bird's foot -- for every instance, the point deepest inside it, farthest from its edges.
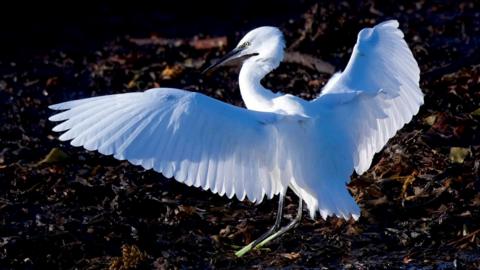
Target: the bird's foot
(244, 250)
(264, 239)
(257, 241)
(271, 234)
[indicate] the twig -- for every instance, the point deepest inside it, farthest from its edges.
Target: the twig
(309, 61)
(466, 237)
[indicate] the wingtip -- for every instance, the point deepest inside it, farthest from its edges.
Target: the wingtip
(55, 107)
(324, 213)
(55, 118)
(390, 23)
(56, 128)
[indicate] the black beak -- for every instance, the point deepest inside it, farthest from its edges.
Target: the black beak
(226, 58)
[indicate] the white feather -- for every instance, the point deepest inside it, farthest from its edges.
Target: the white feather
(179, 133)
(280, 141)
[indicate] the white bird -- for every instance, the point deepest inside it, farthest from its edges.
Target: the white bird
(278, 142)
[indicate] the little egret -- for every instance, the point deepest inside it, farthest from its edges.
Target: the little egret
(278, 142)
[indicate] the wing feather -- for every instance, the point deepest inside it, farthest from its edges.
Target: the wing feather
(364, 106)
(385, 77)
(196, 139)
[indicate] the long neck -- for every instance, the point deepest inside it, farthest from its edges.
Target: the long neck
(255, 96)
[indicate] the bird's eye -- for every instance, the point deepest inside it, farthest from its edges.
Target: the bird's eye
(245, 44)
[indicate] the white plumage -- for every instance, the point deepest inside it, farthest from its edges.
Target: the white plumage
(280, 141)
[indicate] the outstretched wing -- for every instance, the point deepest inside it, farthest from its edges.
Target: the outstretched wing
(356, 113)
(196, 139)
(376, 94)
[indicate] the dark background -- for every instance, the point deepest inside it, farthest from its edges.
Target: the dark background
(78, 209)
(38, 27)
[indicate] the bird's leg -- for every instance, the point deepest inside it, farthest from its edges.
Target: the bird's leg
(275, 226)
(291, 225)
(272, 230)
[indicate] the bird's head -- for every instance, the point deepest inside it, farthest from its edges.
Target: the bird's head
(264, 45)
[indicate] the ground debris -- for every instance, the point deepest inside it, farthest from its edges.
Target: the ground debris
(458, 154)
(55, 155)
(131, 258)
